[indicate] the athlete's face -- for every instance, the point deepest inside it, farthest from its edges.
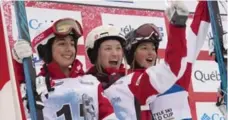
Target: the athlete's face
(145, 54)
(63, 51)
(110, 54)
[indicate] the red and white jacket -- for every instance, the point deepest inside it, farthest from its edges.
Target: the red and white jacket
(69, 91)
(145, 86)
(164, 106)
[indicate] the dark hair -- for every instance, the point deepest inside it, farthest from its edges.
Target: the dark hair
(45, 53)
(145, 33)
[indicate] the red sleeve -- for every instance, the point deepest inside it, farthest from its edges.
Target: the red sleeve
(158, 79)
(144, 89)
(184, 81)
(19, 72)
(133, 86)
(146, 115)
(105, 107)
(176, 47)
